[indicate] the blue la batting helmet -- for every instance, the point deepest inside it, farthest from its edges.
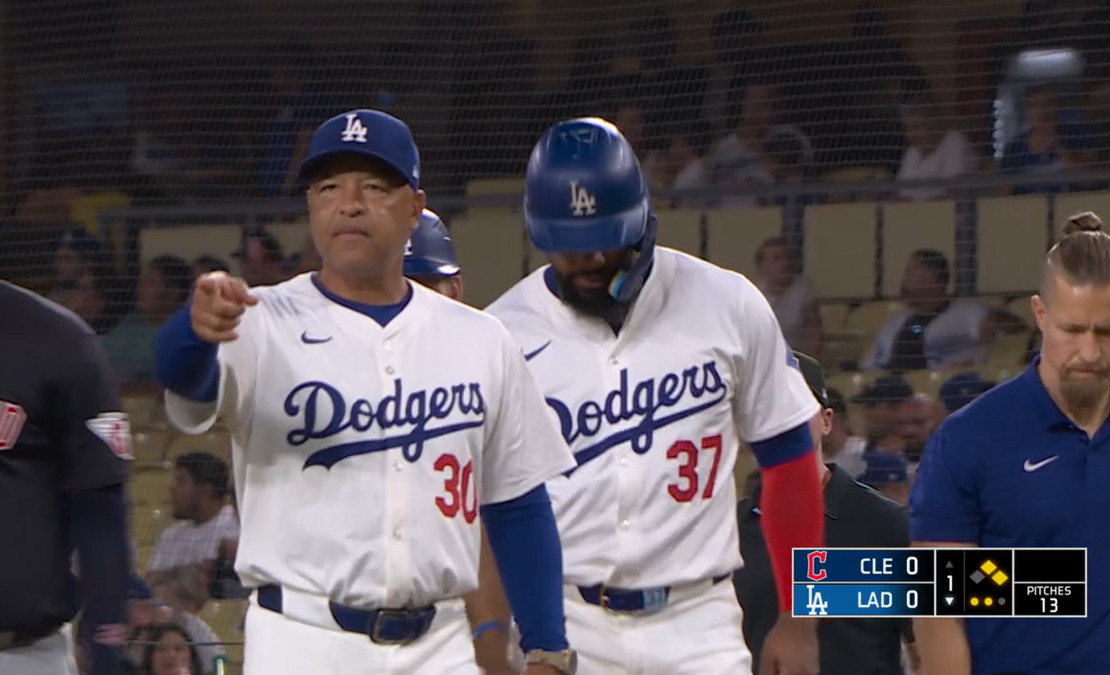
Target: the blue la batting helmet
(430, 252)
(585, 193)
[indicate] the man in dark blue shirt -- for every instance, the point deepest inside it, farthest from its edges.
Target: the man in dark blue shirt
(1027, 464)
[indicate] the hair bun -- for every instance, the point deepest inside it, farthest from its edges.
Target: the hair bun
(1083, 222)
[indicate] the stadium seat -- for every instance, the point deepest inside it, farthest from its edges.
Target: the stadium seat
(149, 446)
(859, 174)
(151, 488)
(484, 187)
(866, 320)
(214, 441)
(491, 250)
(188, 241)
(909, 227)
(291, 236)
(734, 234)
(926, 381)
(1012, 238)
(833, 315)
(1008, 352)
(85, 209)
(840, 250)
(1023, 309)
(681, 229)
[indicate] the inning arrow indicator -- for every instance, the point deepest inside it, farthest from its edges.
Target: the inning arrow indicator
(949, 565)
(949, 599)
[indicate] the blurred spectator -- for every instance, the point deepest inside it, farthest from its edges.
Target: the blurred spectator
(918, 417)
(789, 156)
(629, 118)
(178, 589)
(198, 495)
(959, 390)
(841, 446)
(78, 254)
(734, 34)
(790, 295)
(888, 474)
(1049, 145)
(932, 149)
(297, 108)
(260, 257)
(164, 288)
(87, 297)
(934, 331)
(146, 613)
(681, 164)
(209, 263)
(305, 260)
(738, 158)
(881, 400)
(170, 652)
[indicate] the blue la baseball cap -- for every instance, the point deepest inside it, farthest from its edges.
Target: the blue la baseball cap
(959, 390)
(370, 133)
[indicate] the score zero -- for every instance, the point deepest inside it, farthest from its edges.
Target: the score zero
(885, 566)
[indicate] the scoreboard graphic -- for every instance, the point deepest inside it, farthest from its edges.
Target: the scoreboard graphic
(966, 582)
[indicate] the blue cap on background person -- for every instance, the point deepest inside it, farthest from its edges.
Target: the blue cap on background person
(139, 589)
(884, 470)
(962, 389)
(368, 133)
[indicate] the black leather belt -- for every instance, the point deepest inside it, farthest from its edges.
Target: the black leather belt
(382, 626)
(14, 639)
(625, 600)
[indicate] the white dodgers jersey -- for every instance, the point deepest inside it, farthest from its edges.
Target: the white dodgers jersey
(655, 416)
(361, 453)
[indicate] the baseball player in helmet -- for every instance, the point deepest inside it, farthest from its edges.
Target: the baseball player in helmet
(657, 365)
(430, 257)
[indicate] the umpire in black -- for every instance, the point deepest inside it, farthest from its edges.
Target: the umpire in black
(64, 446)
(855, 516)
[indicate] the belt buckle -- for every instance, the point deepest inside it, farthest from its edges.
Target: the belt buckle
(602, 598)
(376, 628)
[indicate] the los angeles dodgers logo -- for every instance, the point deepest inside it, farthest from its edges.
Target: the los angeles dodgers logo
(323, 412)
(643, 402)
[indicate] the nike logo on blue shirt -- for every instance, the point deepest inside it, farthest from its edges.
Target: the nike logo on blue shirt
(533, 354)
(312, 340)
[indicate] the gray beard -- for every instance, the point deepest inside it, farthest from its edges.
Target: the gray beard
(1083, 397)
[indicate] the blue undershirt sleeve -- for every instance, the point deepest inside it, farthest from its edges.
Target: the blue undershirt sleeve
(525, 542)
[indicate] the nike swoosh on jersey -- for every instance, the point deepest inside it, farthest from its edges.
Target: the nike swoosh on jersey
(308, 340)
(533, 354)
(1030, 467)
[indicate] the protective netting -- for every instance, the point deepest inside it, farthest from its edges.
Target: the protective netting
(148, 140)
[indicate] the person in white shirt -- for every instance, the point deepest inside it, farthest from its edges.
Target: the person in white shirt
(933, 331)
(931, 151)
(790, 295)
(199, 502)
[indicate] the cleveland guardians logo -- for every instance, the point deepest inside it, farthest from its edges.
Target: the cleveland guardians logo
(652, 404)
(323, 412)
(812, 560)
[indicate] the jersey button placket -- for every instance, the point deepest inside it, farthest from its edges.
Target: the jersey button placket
(396, 478)
(628, 472)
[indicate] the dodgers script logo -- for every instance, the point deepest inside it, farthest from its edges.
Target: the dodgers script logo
(323, 413)
(680, 395)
